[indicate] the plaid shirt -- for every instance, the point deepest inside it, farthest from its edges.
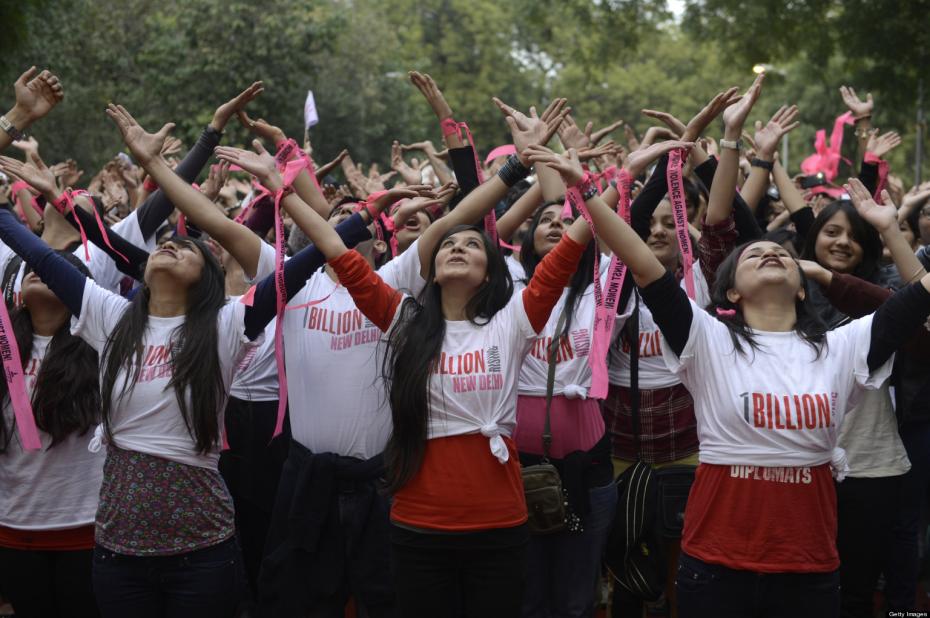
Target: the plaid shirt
(667, 427)
(716, 243)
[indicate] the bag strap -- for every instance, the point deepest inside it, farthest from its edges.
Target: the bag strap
(550, 382)
(9, 279)
(633, 334)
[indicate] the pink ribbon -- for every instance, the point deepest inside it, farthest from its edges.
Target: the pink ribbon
(501, 151)
(22, 185)
(882, 173)
(16, 384)
(64, 203)
(100, 224)
(680, 212)
(826, 158)
(605, 305)
(292, 169)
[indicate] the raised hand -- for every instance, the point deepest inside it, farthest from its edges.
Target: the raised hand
(171, 147)
(882, 216)
(637, 161)
(568, 165)
(767, 137)
(880, 145)
(572, 136)
(261, 128)
(35, 173)
(29, 146)
(857, 106)
(260, 163)
(605, 149)
(815, 272)
(325, 169)
(36, 95)
(216, 180)
(407, 173)
(532, 129)
(734, 116)
(598, 135)
(225, 111)
(426, 146)
(674, 125)
(145, 147)
(431, 93)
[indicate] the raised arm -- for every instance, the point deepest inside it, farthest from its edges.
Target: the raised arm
(242, 244)
(526, 130)
(158, 206)
(61, 277)
(519, 212)
(884, 218)
(766, 141)
(720, 202)
(36, 94)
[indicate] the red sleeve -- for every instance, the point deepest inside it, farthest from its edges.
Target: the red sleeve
(549, 279)
(854, 296)
(716, 242)
(375, 298)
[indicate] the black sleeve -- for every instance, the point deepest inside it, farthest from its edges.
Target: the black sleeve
(894, 322)
(648, 199)
(296, 272)
(868, 175)
(463, 164)
(747, 227)
(137, 256)
(156, 208)
(803, 222)
(670, 309)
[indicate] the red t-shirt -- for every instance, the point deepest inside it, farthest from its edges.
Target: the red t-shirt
(767, 520)
(461, 486)
(69, 539)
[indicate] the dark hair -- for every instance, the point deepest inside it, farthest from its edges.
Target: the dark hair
(66, 393)
(194, 355)
(580, 281)
(808, 326)
(783, 235)
(864, 234)
(414, 346)
(913, 222)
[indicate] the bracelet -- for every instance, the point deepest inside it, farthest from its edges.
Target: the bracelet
(731, 144)
(450, 127)
(588, 191)
(513, 171)
(861, 134)
(766, 165)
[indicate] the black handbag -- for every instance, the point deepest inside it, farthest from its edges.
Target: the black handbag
(635, 553)
(545, 500)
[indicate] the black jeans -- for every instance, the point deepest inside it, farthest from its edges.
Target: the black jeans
(205, 583)
(475, 575)
(865, 514)
(714, 591)
(48, 584)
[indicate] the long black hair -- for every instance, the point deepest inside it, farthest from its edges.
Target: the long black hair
(194, 355)
(809, 326)
(66, 393)
(414, 346)
(864, 234)
(583, 276)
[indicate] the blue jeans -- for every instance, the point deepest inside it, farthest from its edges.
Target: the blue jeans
(901, 568)
(563, 568)
(714, 591)
(205, 583)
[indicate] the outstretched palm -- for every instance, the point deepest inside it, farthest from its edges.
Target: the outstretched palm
(144, 146)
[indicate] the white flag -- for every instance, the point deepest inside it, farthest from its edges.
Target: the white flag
(310, 116)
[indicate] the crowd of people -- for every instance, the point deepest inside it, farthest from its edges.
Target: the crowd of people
(275, 393)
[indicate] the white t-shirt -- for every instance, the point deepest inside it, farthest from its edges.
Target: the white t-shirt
(333, 356)
(573, 370)
(517, 272)
(778, 405)
(148, 419)
(256, 377)
(48, 489)
(653, 372)
(871, 439)
(473, 386)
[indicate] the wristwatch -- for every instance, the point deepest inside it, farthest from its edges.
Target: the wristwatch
(732, 145)
(12, 131)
